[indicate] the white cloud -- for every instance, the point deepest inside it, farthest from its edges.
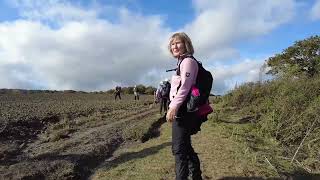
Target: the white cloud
(315, 11)
(223, 23)
(87, 55)
(227, 76)
(55, 11)
(59, 45)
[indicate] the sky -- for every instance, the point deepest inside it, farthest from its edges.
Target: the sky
(99, 44)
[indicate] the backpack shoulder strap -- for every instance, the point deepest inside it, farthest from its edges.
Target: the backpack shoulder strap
(178, 68)
(186, 56)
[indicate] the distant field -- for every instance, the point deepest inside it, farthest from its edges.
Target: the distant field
(20, 107)
(66, 135)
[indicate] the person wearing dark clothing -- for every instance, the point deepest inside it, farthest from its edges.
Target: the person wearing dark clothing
(163, 95)
(117, 93)
(163, 105)
(183, 122)
(187, 161)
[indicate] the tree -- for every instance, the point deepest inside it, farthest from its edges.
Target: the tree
(127, 90)
(141, 88)
(150, 90)
(303, 58)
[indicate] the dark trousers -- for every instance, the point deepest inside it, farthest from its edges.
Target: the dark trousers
(163, 105)
(117, 94)
(136, 97)
(186, 160)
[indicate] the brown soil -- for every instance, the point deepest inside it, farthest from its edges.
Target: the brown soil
(34, 149)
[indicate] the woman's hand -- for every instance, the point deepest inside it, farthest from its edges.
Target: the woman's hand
(172, 112)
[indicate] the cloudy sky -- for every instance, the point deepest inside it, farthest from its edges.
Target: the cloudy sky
(95, 45)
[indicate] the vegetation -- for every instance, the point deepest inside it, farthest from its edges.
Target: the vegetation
(284, 111)
(149, 90)
(222, 153)
(142, 89)
(301, 59)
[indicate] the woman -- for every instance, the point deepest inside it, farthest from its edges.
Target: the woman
(187, 161)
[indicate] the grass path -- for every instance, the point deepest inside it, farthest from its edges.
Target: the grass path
(222, 156)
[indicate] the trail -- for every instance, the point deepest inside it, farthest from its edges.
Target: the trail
(221, 155)
(223, 151)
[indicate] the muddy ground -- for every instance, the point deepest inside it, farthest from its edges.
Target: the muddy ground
(57, 147)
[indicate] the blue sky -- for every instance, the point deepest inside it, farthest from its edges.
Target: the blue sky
(96, 45)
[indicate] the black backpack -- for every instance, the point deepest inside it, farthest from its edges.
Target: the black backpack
(203, 83)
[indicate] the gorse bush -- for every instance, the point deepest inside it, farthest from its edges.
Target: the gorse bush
(286, 110)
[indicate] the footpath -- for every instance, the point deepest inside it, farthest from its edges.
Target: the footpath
(222, 153)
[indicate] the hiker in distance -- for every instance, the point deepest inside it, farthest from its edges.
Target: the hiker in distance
(186, 160)
(158, 94)
(155, 98)
(136, 92)
(163, 95)
(117, 93)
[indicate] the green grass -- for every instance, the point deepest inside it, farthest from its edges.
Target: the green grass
(221, 148)
(139, 130)
(150, 160)
(285, 111)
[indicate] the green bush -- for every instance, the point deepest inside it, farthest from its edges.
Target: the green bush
(286, 110)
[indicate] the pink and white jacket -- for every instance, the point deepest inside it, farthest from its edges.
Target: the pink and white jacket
(188, 77)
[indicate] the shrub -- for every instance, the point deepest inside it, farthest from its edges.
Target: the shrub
(289, 108)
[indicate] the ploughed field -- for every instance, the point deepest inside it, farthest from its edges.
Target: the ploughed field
(67, 135)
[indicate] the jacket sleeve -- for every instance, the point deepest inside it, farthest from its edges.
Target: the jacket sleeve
(188, 73)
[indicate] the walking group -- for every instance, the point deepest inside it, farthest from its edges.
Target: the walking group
(117, 93)
(161, 95)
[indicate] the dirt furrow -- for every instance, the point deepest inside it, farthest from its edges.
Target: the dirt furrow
(75, 154)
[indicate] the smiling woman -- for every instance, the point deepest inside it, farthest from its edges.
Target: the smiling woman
(180, 44)
(183, 122)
